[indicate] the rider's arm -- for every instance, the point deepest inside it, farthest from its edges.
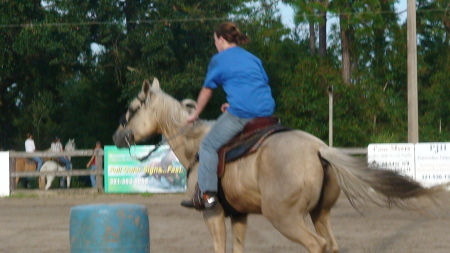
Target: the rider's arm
(202, 100)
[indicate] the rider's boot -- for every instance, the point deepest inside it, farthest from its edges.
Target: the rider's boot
(200, 201)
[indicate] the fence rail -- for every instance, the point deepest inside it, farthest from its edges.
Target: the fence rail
(74, 172)
(99, 163)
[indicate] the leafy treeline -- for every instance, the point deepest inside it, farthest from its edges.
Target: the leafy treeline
(69, 67)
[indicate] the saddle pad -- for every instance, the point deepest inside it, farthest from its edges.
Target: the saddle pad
(244, 145)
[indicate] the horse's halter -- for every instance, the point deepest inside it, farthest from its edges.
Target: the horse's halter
(124, 120)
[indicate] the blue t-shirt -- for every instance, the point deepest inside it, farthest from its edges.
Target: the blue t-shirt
(244, 80)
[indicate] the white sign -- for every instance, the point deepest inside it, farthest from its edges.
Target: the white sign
(433, 163)
(393, 156)
(4, 174)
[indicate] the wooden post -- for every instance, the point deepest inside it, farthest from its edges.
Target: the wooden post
(413, 108)
(99, 172)
(12, 168)
(330, 116)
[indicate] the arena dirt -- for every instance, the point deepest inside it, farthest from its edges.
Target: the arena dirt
(38, 222)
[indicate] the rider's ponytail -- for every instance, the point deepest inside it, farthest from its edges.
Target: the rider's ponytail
(231, 33)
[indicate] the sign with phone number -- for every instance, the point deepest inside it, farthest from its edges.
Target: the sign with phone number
(427, 163)
(160, 173)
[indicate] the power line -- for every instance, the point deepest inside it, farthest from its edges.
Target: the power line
(29, 25)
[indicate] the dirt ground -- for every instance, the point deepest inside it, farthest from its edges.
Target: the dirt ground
(33, 221)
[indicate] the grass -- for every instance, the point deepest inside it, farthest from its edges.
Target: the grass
(22, 195)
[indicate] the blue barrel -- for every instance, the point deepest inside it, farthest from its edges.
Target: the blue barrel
(109, 228)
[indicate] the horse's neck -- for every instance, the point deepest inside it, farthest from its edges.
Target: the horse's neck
(183, 139)
(183, 144)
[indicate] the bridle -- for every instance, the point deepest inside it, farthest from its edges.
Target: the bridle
(131, 112)
(124, 120)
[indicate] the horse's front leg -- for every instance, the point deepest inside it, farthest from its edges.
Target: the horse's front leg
(239, 228)
(215, 221)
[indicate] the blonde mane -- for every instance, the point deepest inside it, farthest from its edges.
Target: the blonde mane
(172, 116)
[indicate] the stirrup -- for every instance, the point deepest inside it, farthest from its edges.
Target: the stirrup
(188, 203)
(206, 201)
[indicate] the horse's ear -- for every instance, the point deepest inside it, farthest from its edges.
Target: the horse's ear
(146, 86)
(189, 105)
(155, 84)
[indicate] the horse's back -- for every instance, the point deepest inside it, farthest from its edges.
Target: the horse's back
(25, 164)
(286, 167)
(50, 166)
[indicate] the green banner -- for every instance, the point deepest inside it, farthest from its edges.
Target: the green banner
(160, 173)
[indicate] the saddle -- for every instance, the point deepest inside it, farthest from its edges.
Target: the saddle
(245, 143)
(249, 140)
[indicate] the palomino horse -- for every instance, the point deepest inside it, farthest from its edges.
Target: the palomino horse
(292, 175)
(24, 164)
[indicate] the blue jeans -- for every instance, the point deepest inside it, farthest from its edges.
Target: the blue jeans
(66, 162)
(93, 179)
(226, 127)
(39, 162)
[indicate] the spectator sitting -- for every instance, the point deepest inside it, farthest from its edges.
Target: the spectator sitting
(57, 147)
(30, 148)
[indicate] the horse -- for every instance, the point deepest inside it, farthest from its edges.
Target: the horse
(291, 176)
(25, 164)
(51, 166)
(70, 146)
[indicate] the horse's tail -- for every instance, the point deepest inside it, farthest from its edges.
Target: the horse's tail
(380, 186)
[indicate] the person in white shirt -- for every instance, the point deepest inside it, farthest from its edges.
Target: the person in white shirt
(30, 148)
(57, 147)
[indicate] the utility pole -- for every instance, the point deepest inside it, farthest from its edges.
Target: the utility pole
(330, 116)
(413, 111)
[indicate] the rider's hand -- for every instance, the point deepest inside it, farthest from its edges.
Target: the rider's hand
(224, 107)
(192, 117)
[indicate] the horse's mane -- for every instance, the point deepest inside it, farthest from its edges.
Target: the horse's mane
(172, 116)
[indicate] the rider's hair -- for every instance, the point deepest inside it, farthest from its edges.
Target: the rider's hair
(231, 33)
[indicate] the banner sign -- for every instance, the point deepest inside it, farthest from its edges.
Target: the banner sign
(160, 173)
(427, 163)
(433, 163)
(396, 156)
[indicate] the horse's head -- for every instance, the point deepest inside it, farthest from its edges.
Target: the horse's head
(140, 121)
(70, 145)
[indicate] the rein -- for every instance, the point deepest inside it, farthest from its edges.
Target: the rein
(181, 131)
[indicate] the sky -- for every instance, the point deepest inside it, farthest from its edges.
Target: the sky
(287, 13)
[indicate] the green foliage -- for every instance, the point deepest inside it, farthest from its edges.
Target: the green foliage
(69, 68)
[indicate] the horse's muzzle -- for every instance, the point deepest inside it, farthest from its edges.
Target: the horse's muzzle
(123, 138)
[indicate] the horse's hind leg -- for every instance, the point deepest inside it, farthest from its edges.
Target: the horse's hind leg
(321, 221)
(49, 181)
(292, 225)
(320, 215)
(239, 227)
(41, 182)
